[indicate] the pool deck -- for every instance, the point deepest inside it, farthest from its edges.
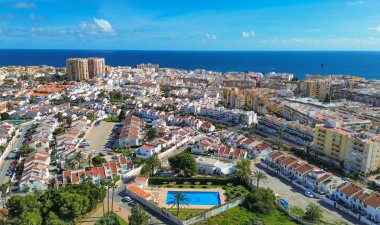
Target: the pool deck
(164, 193)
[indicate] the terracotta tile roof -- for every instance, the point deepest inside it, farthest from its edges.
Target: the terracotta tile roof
(350, 189)
(138, 191)
(289, 160)
(142, 179)
(373, 200)
(304, 168)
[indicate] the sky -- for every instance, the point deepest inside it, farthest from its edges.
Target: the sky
(191, 24)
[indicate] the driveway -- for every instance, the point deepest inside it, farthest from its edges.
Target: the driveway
(295, 197)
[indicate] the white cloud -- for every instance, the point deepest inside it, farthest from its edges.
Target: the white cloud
(97, 26)
(211, 36)
(25, 5)
(374, 28)
(248, 34)
(104, 25)
(356, 3)
(36, 17)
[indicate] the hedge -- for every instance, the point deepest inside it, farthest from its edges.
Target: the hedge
(201, 180)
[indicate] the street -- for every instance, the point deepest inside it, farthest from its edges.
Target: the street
(11, 155)
(294, 195)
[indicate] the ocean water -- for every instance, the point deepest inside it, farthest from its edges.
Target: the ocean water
(364, 64)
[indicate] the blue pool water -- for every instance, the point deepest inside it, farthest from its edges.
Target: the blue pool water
(196, 198)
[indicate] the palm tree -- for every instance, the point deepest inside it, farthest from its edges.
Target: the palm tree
(79, 159)
(9, 184)
(89, 157)
(4, 188)
(151, 165)
(313, 212)
(103, 183)
(179, 199)
(259, 176)
(243, 169)
(108, 195)
(113, 186)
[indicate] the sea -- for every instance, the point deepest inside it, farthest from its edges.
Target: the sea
(356, 63)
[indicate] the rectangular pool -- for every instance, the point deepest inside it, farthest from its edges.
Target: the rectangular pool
(196, 197)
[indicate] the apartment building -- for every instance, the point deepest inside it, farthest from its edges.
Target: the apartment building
(356, 152)
(362, 153)
(96, 66)
(293, 131)
(130, 132)
(77, 69)
(330, 144)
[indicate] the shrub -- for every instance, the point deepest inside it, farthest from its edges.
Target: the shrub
(180, 186)
(192, 186)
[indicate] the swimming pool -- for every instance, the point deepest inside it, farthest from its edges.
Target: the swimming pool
(196, 197)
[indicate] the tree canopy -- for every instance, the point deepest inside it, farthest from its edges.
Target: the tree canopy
(5, 116)
(55, 206)
(152, 133)
(261, 201)
(138, 217)
(109, 219)
(184, 164)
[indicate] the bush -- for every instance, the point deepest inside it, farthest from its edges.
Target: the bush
(201, 180)
(192, 186)
(180, 186)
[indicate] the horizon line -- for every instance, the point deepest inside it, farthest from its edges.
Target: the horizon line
(168, 50)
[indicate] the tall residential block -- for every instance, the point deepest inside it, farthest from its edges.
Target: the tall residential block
(355, 151)
(362, 153)
(96, 66)
(330, 144)
(77, 69)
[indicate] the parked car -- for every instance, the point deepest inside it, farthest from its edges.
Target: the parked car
(15, 150)
(18, 136)
(320, 192)
(127, 199)
(309, 194)
(132, 203)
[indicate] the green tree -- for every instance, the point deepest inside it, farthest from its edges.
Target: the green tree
(103, 184)
(152, 133)
(18, 204)
(26, 149)
(102, 94)
(91, 117)
(121, 115)
(4, 188)
(78, 157)
(5, 116)
(261, 201)
(72, 206)
(60, 117)
(327, 98)
(313, 212)
(53, 219)
(113, 186)
(151, 165)
(184, 164)
(138, 217)
(243, 169)
(98, 161)
(27, 218)
(69, 121)
(259, 176)
(295, 78)
(9, 106)
(179, 200)
(109, 219)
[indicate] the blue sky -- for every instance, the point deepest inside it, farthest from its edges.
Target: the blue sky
(191, 24)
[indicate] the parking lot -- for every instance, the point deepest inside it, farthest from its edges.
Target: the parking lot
(99, 136)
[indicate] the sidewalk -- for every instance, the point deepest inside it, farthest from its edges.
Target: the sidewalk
(95, 215)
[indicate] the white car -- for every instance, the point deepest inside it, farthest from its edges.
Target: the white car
(309, 194)
(127, 199)
(15, 150)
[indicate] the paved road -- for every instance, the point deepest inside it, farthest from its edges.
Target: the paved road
(294, 195)
(17, 144)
